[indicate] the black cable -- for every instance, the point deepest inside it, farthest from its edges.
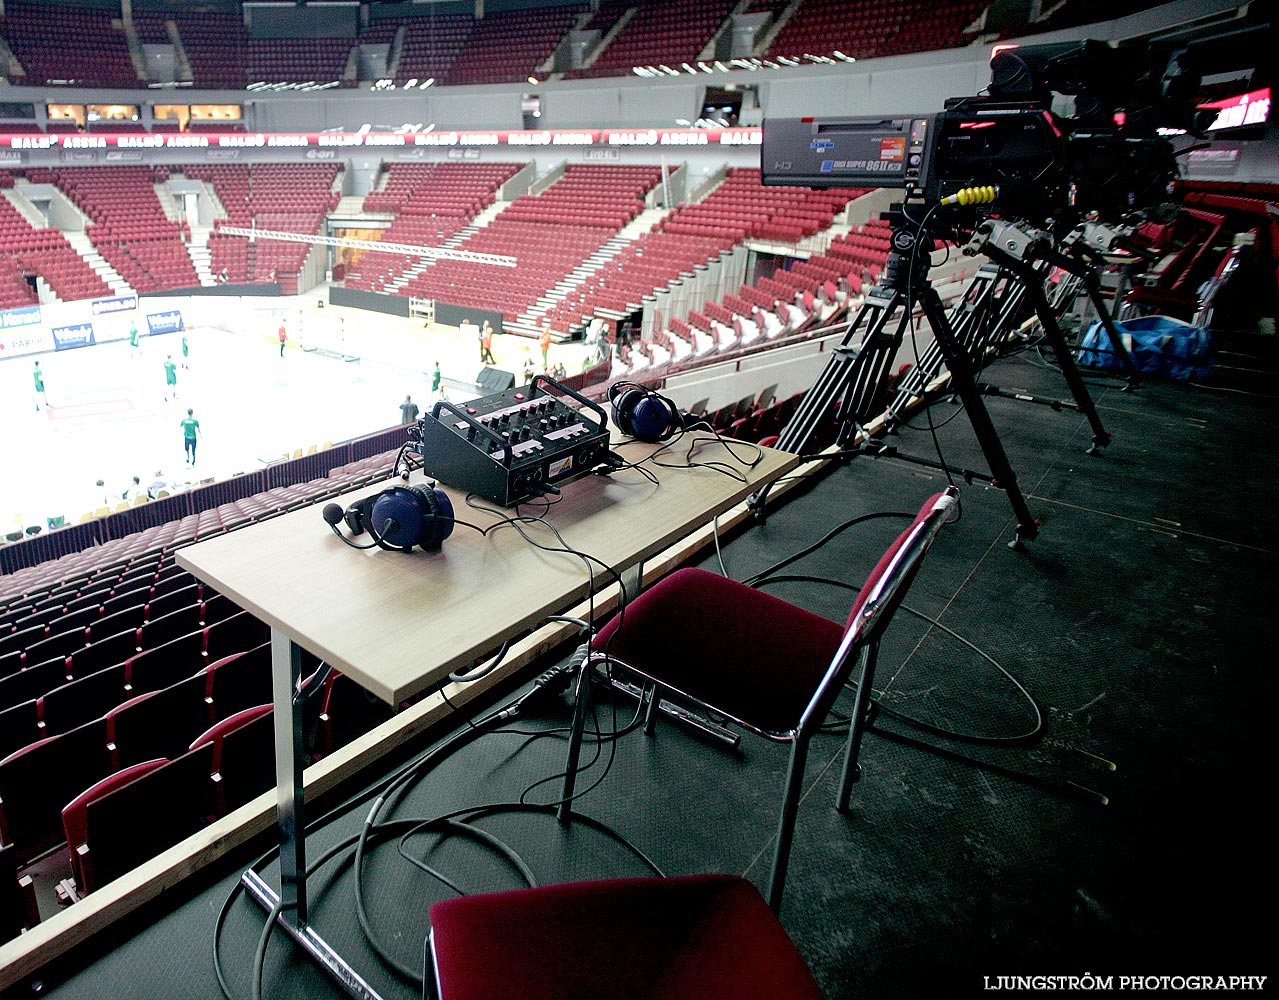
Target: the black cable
(914, 340)
(837, 530)
(626, 466)
(975, 738)
(466, 830)
(371, 826)
(694, 443)
(259, 958)
(476, 674)
(449, 746)
(637, 720)
(959, 409)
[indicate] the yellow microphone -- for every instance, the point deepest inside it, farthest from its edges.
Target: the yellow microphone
(981, 195)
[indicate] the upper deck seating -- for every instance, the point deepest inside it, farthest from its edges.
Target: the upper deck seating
(660, 34)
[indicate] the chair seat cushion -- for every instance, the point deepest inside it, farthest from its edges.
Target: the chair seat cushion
(740, 650)
(701, 937)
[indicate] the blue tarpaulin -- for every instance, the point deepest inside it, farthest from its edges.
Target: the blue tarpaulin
(1159, 345)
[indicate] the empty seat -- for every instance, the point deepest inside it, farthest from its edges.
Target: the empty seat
(33, 682)
(239, 681)
(115, 841)
(19, 726)
(159, 724)
(696, 936)
(244, 752)
(156, 668)
(38, 780)
(73, 819)
(83, 699)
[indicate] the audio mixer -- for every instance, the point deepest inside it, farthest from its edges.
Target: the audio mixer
(514, 445)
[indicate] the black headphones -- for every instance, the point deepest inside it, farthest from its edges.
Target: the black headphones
(643, 414)
(397, 518)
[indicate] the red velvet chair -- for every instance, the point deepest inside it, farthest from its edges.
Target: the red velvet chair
(691, 938)
(762, 663)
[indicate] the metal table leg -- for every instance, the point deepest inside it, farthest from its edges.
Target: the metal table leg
(286, 670)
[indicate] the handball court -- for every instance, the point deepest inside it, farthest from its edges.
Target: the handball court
(106, 415)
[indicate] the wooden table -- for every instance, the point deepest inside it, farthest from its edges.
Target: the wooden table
(398, 624)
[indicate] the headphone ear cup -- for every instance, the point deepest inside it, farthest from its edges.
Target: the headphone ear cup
(623, 403)
(652, 418)
(396, 517)
(437, 516)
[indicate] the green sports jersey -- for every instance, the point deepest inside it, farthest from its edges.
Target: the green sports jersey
(189, 426)
(39, 380)
(170, 373)
(133, 336)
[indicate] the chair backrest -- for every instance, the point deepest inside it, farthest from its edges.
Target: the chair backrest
(83, 699)
(38, 780)
(19, 726)
(173, 600)
(105, 651)
(161, 725)
(239, 632)
(218, 608)
(128, 826)
(13, 911)
(239, 681)
(33, 682)
(171, 625)
(246, 762)
(347, 711)
(58, 644)
(880, 596)
(158, 667)
(73, 813)
(121, 617)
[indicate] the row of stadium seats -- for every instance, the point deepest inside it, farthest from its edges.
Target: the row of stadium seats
(740, 208)
(44, 252)
(549, 234)
(114, 660)
(91, 48)
(434, 201)
(659, 33)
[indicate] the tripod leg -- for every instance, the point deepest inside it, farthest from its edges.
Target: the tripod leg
(1069, 370)
(961, 373)
(969, 318)
(1112, 332)
(831, 386)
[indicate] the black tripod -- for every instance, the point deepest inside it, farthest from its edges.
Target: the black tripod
(991, 307)
(982, 317)
(851, 383)
(1085, 254)
(1027, 254)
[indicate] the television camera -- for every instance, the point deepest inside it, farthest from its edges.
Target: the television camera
(1010, 148)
